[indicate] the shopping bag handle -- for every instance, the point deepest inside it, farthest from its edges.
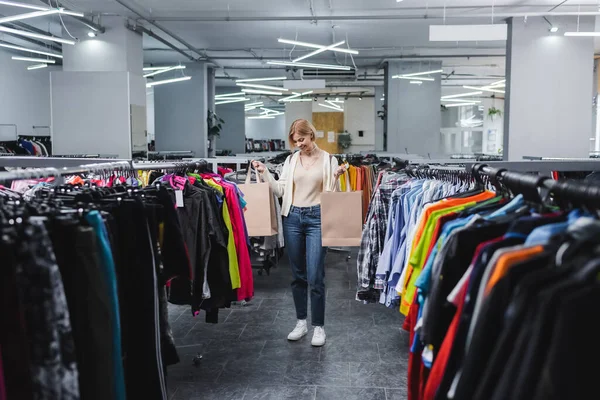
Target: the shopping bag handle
(249, 174)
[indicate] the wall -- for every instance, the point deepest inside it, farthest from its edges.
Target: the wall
(276, 128)
(233, 134)
(180, 111)
(24, 96)
(379, 123)
(414, 118)
(150, 113)
(90, 113)
(549, 82)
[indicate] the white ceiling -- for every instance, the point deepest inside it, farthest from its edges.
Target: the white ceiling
(241, 34)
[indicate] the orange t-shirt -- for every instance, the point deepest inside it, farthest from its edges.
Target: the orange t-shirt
(506, 261)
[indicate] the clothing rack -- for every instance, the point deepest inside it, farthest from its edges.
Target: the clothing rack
(544, 167)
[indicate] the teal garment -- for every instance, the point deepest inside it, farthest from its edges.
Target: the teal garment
(108, 264)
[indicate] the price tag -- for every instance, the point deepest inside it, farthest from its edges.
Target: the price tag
(179, 198)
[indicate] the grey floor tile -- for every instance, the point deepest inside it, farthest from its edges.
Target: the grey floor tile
(223, 351)
(341, 393)
(252, 305)
(317, 373)
(377, 334)
(337, 284)
(280, 393)
(258, 316)
(269, 293)
(265, 332)
(285, 350)
(257, 372)
(203, 331)
(396, 394)
(388, 317)
(286, 303)
(184, 372)
(195, 391)
(340, 293)
(344, 349)
(381, 375)
(184, 324)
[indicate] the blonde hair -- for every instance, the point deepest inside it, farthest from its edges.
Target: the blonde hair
(303, 128)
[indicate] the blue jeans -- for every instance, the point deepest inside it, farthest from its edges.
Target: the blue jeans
(302, 233)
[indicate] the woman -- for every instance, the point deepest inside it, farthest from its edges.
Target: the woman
(305, 175)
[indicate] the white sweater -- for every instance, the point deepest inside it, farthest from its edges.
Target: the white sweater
(284, 187)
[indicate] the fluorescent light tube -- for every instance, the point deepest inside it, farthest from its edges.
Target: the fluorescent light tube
(459, 104)
(160, 71)
(31, 59)
(332, 107)
(22, 5)
(582, 34)
(275, 78)
(318, 51)
(260, 103)
(36, 36)
(462, 100)
(268, 110)
(252, 85)
(218, 96)
(291, 97)
(156, 68)
(297, 100)
(452, 96)
(10, 46)
(315, 46)
(413, 78)
(498, 83)
(236, 100)
(37, 66)
(34, 14)
(253, 91)
(416, 82)
(155, 83)
(485, 89)
(308, 65)
(261, 117)
(333, 104)
(437, 71)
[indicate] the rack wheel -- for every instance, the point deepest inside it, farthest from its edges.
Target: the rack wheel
(197, 359)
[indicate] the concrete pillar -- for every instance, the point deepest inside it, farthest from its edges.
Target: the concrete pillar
(548, 111)
(180, 112)
(210, 96)
(98, 100)
(233, 135)
(413, 111)
(379, 101)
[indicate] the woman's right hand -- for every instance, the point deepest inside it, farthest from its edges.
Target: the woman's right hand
(260, 167)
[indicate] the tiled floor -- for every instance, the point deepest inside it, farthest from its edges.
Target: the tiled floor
(247, 356)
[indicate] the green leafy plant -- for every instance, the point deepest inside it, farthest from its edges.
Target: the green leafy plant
(215, 124)
(344, 140)
(494, 112)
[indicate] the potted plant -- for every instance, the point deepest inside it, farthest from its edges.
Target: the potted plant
(493, 112)
(215, 124)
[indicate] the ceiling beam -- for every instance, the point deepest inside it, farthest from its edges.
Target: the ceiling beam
(141, 29)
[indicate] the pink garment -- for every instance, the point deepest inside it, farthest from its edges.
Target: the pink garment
(246, 290)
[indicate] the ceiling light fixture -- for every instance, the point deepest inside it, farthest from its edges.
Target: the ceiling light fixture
(485, 89)
(333, 104)
(330, 106)
(261, 117)
(413, 78)
(39, 8)
(259, 103)
(437, 71)
(498, 83)
(92, 34)
(253, 91)
(155, 83)
(218, 96)
(315, 46)
(582, 34)
(235, 100)
(554, 29)
(252, 85)
(268, 110)
(37, 66)
(293, 96)
(452, 96)
(297, 100)
(321, 50)
(275, 78)
(416, 82)
(10, 46)
(160, 71)
(156, 68)
(34, 14)
(309, 65)
(462, 100)
(459, 104)
(37, 36)
(31, 59)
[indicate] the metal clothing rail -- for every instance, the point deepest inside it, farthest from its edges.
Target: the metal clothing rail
(538, 188)
(543, 167)
(54, 162)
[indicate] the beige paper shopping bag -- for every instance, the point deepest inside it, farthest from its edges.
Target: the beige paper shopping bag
(341, 218)
(260, 214)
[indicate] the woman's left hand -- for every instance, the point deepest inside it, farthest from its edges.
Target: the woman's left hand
(340, 170)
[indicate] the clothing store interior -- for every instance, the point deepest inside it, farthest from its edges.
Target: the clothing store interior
(299, 199)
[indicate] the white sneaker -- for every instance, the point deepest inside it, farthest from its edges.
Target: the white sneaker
(318, 339)
(299, 331)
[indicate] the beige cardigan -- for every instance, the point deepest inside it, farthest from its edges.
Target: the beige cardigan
(284, 187)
